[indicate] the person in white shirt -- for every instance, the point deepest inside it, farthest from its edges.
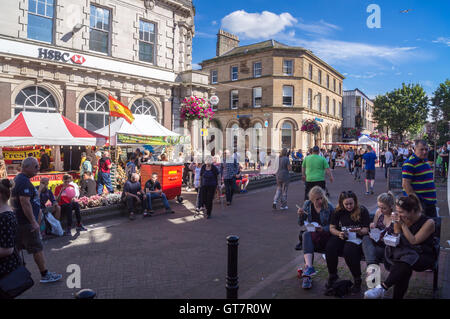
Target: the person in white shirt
(262, 158)
(389, 159)
(333, 158)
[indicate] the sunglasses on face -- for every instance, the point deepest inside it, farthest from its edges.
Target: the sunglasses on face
(347, 193)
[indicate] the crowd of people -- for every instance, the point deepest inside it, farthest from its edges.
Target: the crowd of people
(401, 234)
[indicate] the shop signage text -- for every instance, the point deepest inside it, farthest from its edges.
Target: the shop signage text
(59, 56)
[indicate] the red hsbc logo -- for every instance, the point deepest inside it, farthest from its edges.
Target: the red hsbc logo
(78, 59)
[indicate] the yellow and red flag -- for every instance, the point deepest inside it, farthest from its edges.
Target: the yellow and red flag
(117, 109)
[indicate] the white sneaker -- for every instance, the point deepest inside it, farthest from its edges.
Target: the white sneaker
(284, 208)
(375, 293)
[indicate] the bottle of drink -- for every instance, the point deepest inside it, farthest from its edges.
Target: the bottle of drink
(397, 226)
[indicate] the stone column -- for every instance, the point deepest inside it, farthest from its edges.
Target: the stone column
(70, 107)
(167, 109)
(5, 101)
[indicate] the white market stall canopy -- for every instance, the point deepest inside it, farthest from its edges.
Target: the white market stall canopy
(364, 140)
(33, 128)
(144, 130)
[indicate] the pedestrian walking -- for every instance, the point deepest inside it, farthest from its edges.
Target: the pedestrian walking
(383, 158)
(418, 178)
(389, 161)
(314, 168)
(282, 180)
(351, 158)
(333, 159)
(229, 171)
(358, 165)
(26, 206)
(209, 180)
(104, 174)
(369, 165)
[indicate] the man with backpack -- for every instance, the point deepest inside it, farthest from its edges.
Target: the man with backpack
(104, 174)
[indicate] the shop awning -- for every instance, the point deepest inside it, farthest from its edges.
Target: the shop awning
(144, 130)
(32, 128)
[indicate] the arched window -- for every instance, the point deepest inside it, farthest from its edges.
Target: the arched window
(94, 111)
(234, 133)
(286, 135)
(143, 106)
(35, 99)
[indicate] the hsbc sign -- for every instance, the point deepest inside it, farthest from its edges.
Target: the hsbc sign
(59, 56)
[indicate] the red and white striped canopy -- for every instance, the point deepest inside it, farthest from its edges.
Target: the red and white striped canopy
(32, 128)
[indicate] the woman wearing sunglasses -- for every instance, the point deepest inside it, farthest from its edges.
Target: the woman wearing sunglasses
(349, 223)
(415, 250)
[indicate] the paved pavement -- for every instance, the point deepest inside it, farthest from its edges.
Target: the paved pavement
(182, 256)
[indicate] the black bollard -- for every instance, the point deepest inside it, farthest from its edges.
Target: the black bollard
(85, 294)
(232, 277)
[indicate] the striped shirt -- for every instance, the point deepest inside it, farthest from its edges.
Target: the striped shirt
(422, 180)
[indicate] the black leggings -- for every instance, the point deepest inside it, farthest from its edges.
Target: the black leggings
(208, 193)
(67, 209)
(352, 254)
(400, 273)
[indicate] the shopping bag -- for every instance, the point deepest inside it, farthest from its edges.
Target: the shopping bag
(56, 228)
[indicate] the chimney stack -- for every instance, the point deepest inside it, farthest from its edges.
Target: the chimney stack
(226, 42)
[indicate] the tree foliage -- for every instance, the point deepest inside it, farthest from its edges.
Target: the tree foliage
(441, 111)
(402, 110)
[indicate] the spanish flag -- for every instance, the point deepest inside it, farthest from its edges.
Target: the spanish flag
(117, 109)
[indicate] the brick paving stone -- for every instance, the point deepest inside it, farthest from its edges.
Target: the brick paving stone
(177, 256)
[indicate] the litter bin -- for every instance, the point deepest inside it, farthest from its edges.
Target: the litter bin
(170, 176)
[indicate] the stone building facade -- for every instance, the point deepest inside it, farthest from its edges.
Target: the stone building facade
(68, 56)
(358, 113)
(275, 86)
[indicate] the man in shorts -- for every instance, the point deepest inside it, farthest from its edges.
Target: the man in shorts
(26, 205)
(369, 161)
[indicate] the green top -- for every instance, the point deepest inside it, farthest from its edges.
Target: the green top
(315, 168)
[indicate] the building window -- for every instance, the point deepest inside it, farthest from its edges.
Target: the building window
(94, 112)
(35, 99)
(340, 110)
(310, 98)
(234, 98)
(340, 88)
(288, 67)
(257, 97)
(328, 105)
(143, 106)
(286, 135)
(319, 102)
(40, 20)
(310, 72)
(328, 81)
(320, 77)
(99, 30)
(258, 132)
(213, 76)
(334, 85)
(288, 95)
(147, 39)
(257, 69)
(234, 73)
(334, 107)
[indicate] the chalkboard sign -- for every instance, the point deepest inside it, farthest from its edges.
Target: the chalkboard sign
(395, 178)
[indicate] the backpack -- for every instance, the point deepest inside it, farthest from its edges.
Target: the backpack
(339, 289)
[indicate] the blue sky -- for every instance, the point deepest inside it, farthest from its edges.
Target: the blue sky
(412, 47)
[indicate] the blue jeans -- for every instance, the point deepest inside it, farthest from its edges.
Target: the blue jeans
(373, 253)
(104, 179)
(386, 169)
(151, 196)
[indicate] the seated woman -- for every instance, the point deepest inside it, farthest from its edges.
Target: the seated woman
(374, 250)
(349, 223)
(414, 252)
(319, 210)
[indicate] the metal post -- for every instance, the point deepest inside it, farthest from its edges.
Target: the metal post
(203, 141)
(232, 277)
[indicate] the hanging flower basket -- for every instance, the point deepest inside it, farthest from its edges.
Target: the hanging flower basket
(379, 136)
(350, 132)
(310, 126)
(194, 108)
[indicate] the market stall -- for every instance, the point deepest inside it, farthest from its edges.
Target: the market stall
(144, 131)
(46, 131)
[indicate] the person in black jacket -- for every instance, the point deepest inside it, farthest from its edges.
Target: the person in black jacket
(44, 161)
(88, 185)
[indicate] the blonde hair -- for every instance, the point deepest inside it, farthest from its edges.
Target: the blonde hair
(318, 191)
(387, 199)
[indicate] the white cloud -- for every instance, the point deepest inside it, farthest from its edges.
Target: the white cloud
(320, 27)
(214, 22)
(196, 66)
(205, 35)
(443, 40)
(333, 51)
(257, 25)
